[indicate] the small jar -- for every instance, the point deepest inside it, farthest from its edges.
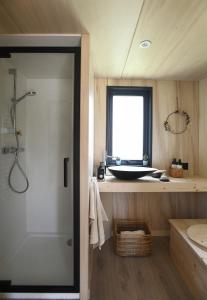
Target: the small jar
(118, 161)
(145, 161)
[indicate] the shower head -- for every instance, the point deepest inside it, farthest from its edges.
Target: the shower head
(30, 93)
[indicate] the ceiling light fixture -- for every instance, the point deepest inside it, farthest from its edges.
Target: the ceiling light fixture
(145, 44)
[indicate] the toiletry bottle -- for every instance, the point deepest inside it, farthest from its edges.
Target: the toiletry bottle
(101, 171)
(179, 165)
(145, 160)
(174, 163)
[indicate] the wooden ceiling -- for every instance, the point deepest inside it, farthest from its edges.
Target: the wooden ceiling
(177, 29)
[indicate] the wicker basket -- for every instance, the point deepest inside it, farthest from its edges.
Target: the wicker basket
(128, 245)
(176, 173)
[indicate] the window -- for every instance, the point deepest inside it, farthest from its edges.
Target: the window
(129, 124)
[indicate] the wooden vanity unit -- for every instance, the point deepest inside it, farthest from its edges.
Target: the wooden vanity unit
(149, 184)
(154, 201)
(190, 259)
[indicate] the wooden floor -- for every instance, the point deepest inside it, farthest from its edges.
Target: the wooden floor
(149, 278)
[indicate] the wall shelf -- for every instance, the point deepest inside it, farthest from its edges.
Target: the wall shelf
(149, 184)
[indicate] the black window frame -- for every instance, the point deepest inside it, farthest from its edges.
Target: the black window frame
(147, 94)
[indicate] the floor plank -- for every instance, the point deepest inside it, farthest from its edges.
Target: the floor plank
(135, 278)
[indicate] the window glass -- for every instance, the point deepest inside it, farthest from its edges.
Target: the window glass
(127, 136)
(129, 125)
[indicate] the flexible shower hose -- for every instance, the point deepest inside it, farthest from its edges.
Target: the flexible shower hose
(16, 158)
(16, 163)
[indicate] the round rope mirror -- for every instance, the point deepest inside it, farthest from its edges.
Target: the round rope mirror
(177, 121)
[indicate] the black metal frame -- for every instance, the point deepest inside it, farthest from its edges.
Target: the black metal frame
(7, 288)
(146, 92)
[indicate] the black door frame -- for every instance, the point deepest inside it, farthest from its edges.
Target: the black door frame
(5, 286)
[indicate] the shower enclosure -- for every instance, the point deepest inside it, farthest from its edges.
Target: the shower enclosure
(39, 169)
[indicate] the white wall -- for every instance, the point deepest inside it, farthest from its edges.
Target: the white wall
(49, 138)
(12, 206)
(203, 127)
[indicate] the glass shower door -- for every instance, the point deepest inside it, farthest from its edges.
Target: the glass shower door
(37, 237)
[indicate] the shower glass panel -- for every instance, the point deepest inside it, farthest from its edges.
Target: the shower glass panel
(37, 225)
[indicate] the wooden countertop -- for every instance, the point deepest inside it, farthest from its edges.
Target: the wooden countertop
(149, 184)
(181, 225)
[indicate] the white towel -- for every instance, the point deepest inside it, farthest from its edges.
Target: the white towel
(97, 215)
(135, 232)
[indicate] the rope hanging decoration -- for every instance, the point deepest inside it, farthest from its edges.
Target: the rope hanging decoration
(183, 114)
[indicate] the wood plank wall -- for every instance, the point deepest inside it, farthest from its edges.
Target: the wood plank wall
(155, 208)
(202, 203)
(165, 145)
(203, 127)
(84, 163)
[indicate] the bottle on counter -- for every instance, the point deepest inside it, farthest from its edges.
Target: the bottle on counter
(176, 168)
(179, 165)
(174, 163)
(101, 171)
(145, 160)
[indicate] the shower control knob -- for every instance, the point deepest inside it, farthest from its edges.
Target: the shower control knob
(8, 150)
(19, 132)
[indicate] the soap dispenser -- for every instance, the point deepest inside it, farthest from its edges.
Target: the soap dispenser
(101, 171)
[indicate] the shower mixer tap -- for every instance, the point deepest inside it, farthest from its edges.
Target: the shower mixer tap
(9, 150)
(19, 132)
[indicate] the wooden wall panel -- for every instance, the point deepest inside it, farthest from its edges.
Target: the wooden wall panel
(99, 119)
(203, 127)
(201, 207)
(91, 119)
(165, 145)
(84, 172)
(155, 208)
(188, 143)
(91, 157)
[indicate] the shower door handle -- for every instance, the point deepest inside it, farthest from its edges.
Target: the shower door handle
(66, 160)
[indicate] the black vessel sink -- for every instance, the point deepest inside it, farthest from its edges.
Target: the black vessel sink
(130, 172)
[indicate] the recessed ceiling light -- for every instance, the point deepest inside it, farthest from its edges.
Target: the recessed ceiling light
(145, 44)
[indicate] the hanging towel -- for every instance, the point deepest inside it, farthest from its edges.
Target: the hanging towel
(97, 215)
